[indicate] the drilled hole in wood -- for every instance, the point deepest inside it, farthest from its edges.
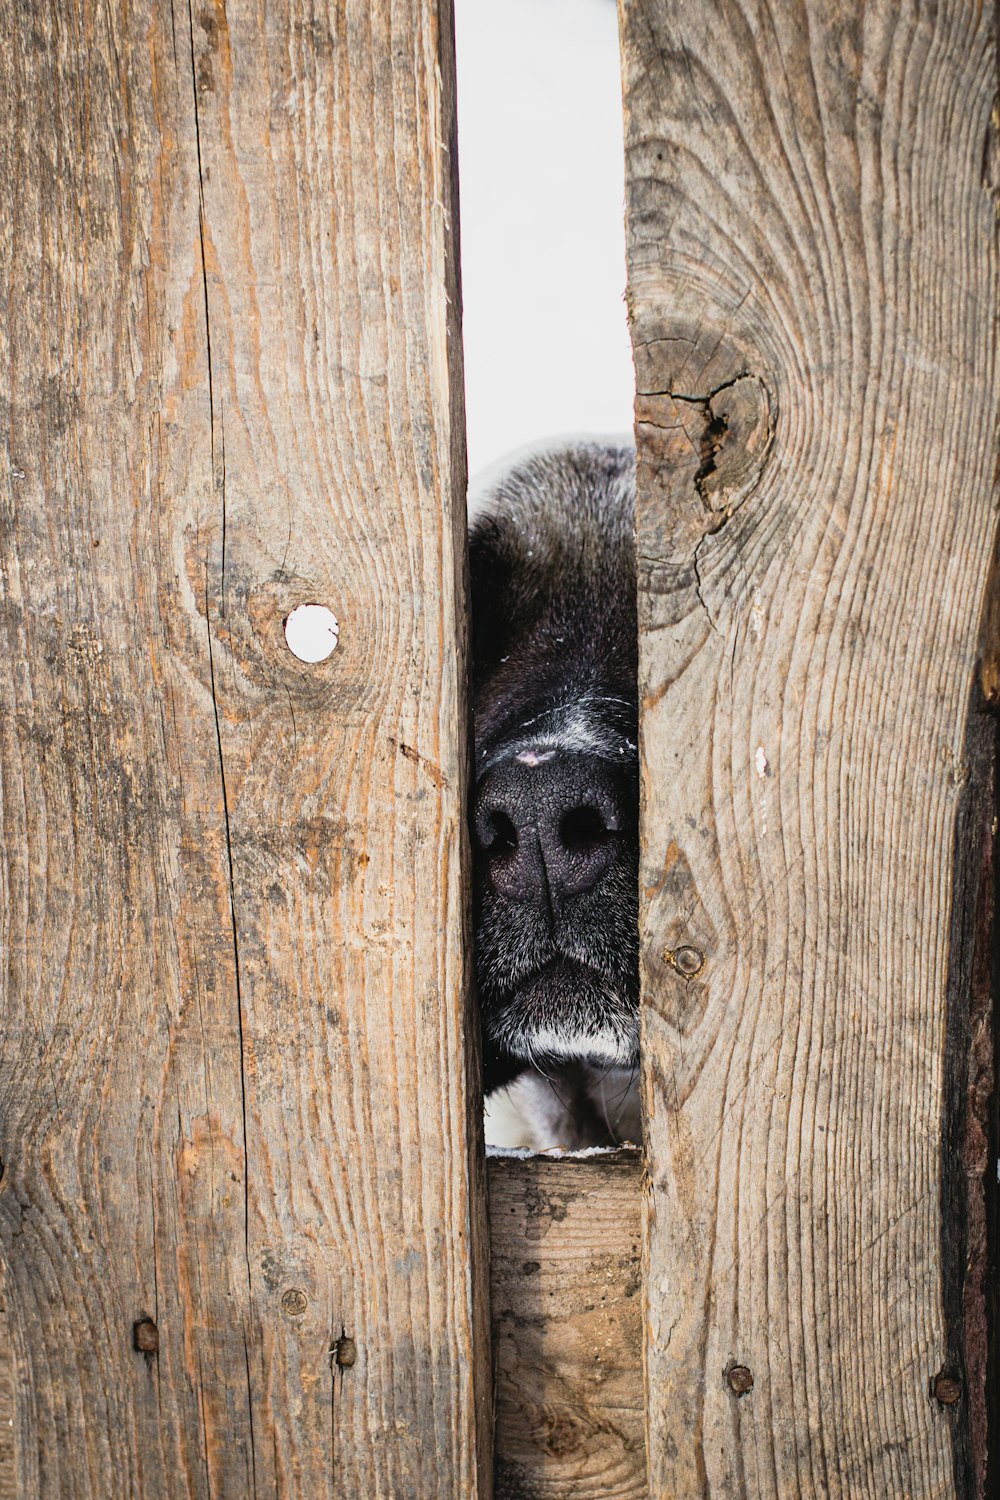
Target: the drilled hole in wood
(312, 632)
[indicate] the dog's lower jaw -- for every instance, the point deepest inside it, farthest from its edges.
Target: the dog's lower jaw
(571, 1107)
(515, 1043)
(564, 1090)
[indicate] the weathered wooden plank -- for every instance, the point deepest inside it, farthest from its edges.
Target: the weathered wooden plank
(813, 293)
(234, 1067)
(567, 1327)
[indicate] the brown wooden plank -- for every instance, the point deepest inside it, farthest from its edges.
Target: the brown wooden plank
(234, 1066)
(567, 1327)
(813, 293)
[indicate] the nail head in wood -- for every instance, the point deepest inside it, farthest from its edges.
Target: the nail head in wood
(686, 960)
(345, 1352)
(145, 1336)
(740, 1379)
(947, 1390)
(312, 632)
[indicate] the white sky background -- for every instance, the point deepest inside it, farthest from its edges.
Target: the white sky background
(541, 189)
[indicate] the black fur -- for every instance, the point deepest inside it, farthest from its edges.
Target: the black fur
(555, 809)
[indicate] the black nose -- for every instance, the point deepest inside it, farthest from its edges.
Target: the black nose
(550, 825)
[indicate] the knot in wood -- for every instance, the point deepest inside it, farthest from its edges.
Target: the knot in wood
(739, 426)
(740, 1379)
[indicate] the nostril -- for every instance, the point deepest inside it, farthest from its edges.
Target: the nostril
(544, 832)
(497, 834)
(583, 828)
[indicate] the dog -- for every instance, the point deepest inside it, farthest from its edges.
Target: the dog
(555, 802)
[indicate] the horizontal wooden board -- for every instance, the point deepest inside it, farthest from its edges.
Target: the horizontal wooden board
(567, 1327)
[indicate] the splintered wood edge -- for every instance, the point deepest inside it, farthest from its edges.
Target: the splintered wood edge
(566, 1284)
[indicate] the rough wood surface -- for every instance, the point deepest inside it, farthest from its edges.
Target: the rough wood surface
(567, 1327)
(813, 291)
(232, 886)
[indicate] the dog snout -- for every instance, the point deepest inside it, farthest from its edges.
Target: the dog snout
(550, 825)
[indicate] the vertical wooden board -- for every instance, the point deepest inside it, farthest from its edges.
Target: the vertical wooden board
(567, 1327)
(813, 297)
(7, 1476)
(235, 1071)
(969, 1088)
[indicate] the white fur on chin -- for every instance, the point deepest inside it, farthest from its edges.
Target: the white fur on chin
(531, 1113)
(606, 1046)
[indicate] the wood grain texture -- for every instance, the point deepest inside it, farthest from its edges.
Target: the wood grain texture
(567, 1327)
(232, 885)
(811, 202)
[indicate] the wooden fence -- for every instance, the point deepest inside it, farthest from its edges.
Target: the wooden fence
(243, 1221)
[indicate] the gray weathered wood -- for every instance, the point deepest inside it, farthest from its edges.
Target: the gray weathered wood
(567, 1327)
(813, 294)
(232, 886)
